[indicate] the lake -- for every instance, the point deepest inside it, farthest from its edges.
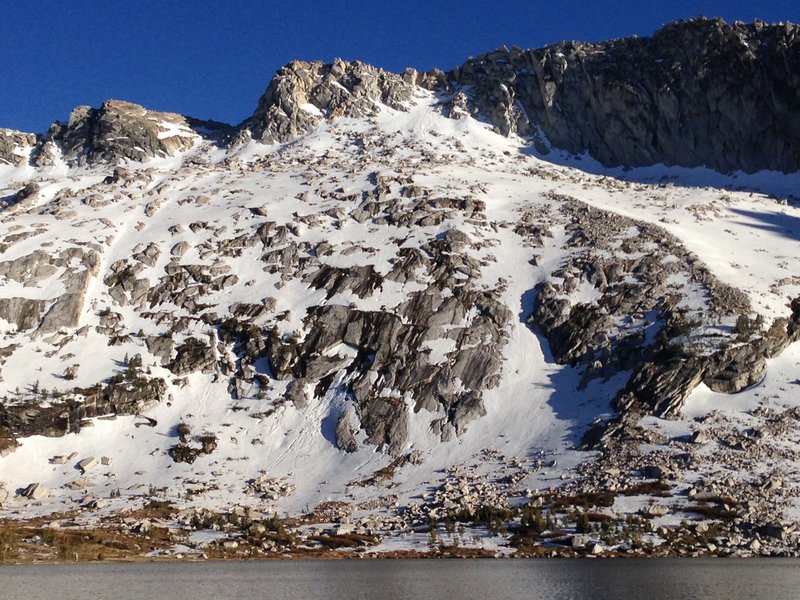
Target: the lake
(576, 579)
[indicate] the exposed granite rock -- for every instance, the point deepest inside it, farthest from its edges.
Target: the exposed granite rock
(149, 255)
(782, 332)
(302, 94)
(733, 369)
(192, 356)
(386, 350)
(125, 286)
(346, 429)
(698, 92)
(22, 312)
(296, 394)
(14, 146)
(121, 130)
(79, 266)
(35, 491)
(121, 396)
(638, 321)
(185, 285)
(66, 310)
(29, 192)
(160, 346)
(631, 269)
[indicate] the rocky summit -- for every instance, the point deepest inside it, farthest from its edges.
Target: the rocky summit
(546, 303)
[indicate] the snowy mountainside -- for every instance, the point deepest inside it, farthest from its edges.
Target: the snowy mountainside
(366, 299)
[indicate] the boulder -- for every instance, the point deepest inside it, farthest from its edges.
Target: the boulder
(346, 430)
(580, 542)
(296, 394)
(35, 491)
(733, 369)
(87, 464)
(656, 510)
(30, 191)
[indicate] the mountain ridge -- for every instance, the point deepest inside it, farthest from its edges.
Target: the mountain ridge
(373, 307)
(618, 100)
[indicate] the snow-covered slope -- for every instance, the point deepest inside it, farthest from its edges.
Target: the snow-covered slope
(351, 316)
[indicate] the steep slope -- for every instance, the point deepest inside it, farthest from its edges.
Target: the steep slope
(696, 93)
(364, 304)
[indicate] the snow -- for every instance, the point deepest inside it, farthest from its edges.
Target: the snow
(311, 109)
(747, 238)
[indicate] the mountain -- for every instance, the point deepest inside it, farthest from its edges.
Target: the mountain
(547, 302)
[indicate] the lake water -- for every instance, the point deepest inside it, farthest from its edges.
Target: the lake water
(627, 579)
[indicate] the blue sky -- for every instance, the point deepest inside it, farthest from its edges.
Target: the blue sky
(213, 59)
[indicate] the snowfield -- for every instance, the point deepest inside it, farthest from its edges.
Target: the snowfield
(745, 229)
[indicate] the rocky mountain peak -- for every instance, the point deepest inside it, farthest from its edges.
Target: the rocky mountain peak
(699, 92)
(123, 130)
(302, 94)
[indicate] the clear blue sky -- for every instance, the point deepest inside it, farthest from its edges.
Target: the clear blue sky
(213, 58)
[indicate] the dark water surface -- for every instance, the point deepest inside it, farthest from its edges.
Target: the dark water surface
(409, 580)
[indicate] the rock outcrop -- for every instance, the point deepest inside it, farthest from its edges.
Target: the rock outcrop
(77, 266)
(697, 93)
(386, 354)
(55, 417)
(637, 319)
(302, 94)
(124, 130)
(700, 92)
(15, 146)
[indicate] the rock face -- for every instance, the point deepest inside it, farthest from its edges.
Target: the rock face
(58, 418)
(77, 265)
(638, 321)
(123, 130)
(698, 92)
(370, 288)
(302, 94)
(387, 351)
(14, 146)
